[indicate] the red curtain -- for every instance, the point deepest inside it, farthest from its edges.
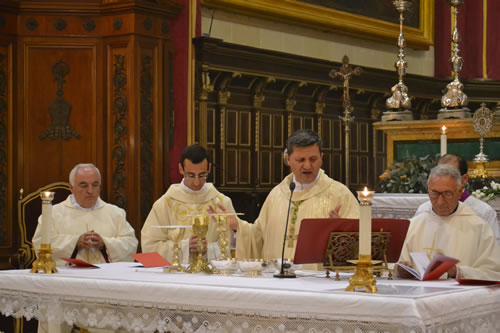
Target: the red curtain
(479, 61)
(181, 37)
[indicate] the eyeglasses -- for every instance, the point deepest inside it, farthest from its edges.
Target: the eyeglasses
(435, 194)
(193, 176)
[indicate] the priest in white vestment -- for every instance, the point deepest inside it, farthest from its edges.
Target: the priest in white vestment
(86, 227)
(481, 208)
(315, 196)
(192, 196)
(452, 229)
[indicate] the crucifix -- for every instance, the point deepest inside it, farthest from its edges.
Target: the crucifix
(346, 72)
(432, 248)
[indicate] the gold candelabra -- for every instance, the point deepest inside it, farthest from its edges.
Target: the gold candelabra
(454, 101)
(399, 103)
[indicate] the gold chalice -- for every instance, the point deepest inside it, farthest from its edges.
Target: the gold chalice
(177, 234)
(200, 229)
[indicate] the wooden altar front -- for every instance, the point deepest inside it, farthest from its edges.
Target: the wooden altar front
(422, 137)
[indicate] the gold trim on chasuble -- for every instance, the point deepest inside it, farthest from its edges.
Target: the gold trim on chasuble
(291, 237)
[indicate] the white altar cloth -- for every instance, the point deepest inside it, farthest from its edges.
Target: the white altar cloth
(397, 205)
(121, 295)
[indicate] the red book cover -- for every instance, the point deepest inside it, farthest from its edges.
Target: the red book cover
(79, 263)
(150, 259)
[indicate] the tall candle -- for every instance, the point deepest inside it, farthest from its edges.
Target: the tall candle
(444, 143)
(365, 222)
(46, 215)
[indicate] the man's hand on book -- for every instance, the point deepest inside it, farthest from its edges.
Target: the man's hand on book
(452, 273)
(403, 273)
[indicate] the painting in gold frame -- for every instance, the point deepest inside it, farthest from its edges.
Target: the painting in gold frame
(323, 18)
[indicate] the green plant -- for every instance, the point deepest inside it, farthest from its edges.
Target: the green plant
(407, 176)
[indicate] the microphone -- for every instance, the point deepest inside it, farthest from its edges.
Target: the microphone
(282, 273)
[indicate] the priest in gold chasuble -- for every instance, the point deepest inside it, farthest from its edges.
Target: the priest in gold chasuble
(192, 196)
(315, 196)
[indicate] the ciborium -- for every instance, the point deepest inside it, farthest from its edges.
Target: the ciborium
(200, 228)
(177, 234)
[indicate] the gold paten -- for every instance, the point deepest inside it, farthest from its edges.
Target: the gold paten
(363, 277)
(44, 263)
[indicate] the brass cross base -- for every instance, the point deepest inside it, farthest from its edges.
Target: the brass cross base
(44, 263)
(363, 277)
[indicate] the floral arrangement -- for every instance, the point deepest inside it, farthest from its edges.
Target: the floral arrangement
(488, 193)
(407, 176)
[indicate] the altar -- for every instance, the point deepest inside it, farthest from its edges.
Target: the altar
(123, 295)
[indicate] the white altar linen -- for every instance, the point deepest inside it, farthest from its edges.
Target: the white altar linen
(397, 205)
(121, 295)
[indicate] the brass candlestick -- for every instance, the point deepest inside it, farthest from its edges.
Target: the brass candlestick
(177, 235)
(200, 229)
(363, 277)
(399, 103)
(44, 262)
(454, 101)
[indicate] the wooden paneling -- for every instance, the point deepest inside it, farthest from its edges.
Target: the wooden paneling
(92, 84)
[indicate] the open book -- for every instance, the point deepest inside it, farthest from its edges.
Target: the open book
(429, 270)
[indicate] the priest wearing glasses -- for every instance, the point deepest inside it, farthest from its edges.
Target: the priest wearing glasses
(453, 229)
(193, 196)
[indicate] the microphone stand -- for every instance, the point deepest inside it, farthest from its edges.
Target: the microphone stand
(282, 274)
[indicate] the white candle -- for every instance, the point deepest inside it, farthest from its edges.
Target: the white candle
(365, 222)
(444, 148)
(46, 215)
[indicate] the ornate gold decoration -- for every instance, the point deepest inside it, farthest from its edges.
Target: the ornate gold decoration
(177, 235)
(200, 229)
(363, 277)
(454, 101)
(432, 248)
(482, 122)
(344, 246)
(222, 225)
(346, 72)
(399, 103)
(44, 263)
(291, 237)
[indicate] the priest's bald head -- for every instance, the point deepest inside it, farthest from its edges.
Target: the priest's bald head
(444, 188)
(458, 162)
(304, 155)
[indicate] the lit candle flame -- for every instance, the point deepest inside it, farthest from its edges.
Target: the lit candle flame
(365, 191)
(443, 129)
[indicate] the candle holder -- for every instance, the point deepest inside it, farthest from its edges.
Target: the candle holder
(44, 262)
(200, 229)
(363, 276)
(399, 104)
(454, 101)
(177, 235)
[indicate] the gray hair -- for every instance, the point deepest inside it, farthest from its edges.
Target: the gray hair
(73, 172)
(302, 138)
(445, 170)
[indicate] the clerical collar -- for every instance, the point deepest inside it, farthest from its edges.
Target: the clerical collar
(302, 187)
(190, 190)
(76, 205)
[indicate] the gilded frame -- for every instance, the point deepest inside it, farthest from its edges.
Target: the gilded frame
(326, 19)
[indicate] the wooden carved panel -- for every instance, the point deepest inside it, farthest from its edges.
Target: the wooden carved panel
(5, 108)
(60, 110)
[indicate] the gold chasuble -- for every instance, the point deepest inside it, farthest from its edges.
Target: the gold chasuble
(462, 235)
(174, 208)
(264, 238)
